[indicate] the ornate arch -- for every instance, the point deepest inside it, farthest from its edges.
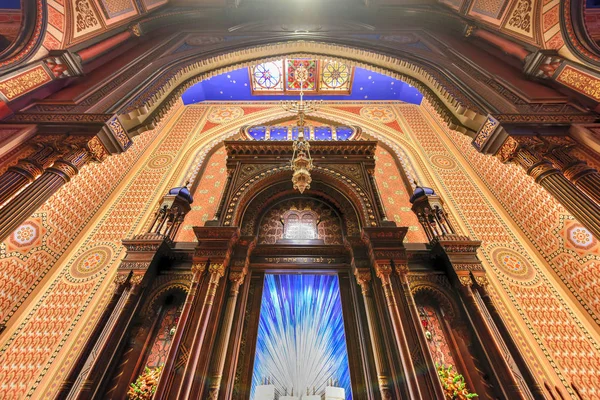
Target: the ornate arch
(166, 86)
(274, 189)
(257, 207)
(574, 32)
(30, 37)
(435, 287)
(163, 286)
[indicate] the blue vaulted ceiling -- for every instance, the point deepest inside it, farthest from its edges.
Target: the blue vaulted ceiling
(236, 86)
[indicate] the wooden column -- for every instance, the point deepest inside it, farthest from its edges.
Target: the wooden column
(383, 273)
(460, 253)
(363, 277)
(136, 270)
(215, 273)
(435, 389)
(25, 172)
(575, 170)
(33, 196)
(524, 152)
(214, 249)
(167, 374)
(218, 362)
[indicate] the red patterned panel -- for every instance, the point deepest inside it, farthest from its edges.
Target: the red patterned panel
(395, 196)
(162, 340)
(437, 341)
(206, 196)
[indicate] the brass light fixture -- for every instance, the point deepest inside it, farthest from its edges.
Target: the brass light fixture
(301, 164)
(301, 160)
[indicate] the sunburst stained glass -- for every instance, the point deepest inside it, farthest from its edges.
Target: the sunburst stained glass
(268, 77)
(301, 344)
(301, 72)
(335, 76)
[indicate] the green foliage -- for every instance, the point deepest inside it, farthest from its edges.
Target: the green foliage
(453, 383)
(145, 385)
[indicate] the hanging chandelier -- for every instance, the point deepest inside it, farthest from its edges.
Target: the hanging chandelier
(301, 160)
(301, 164)
(301, 108)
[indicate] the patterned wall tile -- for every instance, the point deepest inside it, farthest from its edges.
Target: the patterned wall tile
(206, 196)
(395, 196)
(489, 8)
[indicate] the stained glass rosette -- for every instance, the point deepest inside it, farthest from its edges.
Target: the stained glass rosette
(267, 77)
(301, 74)
(335, 76)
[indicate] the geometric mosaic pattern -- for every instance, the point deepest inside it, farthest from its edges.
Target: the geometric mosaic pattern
(395, 196)
(206, 196)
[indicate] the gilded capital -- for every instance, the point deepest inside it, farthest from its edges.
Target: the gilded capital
(237, 277)
(481, 280)
(217, 269)
(401, 269)
(198, 268)
(383, 272)
(120, 279)
(136, 279)
(364, 279)
(465, 280)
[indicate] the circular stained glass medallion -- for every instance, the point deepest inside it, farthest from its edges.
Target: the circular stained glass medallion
(267, 75)
(335, 74)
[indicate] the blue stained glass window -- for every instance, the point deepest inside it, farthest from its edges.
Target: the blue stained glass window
(343, 132)
(301, 342)
(323, 133)
(279, 133)
(258, 132)
(296, 129)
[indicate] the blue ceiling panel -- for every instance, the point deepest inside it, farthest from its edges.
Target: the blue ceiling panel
(236, 86)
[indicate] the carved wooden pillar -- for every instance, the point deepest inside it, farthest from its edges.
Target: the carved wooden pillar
(136, 270)
(383, 273)
(236, 278)
(434, 384)
(215, 273)
(524, 153)
(363, 277)
(25, 171)
(33, 196)
(577, 171)
(238, 270)
(164, 383)
(385, 249)
(214, 248)
(460, 254)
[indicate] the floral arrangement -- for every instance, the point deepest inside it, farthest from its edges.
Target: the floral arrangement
(145, 385)
(454, 384)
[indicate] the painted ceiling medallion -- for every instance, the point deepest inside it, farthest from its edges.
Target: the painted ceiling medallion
(514, 266)
(221, 115)
(378, 114)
